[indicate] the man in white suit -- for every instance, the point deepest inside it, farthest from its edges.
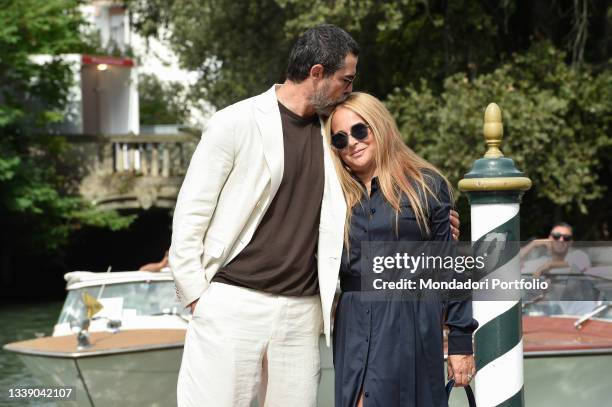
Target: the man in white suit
(258, 233)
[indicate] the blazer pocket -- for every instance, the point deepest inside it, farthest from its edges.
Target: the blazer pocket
(213, 247)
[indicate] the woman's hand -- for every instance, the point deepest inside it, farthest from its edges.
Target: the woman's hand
(454, 224)
(461, 368)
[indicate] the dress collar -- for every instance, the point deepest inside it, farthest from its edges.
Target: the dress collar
(374, 185)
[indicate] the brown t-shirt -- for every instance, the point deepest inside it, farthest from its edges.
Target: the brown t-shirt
(280, 258)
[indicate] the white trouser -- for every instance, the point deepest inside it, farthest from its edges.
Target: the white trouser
(242, 343)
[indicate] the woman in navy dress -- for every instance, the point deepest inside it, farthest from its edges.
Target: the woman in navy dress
(389, 353)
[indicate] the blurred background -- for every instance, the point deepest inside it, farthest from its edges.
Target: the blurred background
(102, 102)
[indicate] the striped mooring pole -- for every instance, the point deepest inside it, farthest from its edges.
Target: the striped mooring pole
(494, 187)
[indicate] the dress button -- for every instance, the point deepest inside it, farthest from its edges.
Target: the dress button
(373, 211)
(367, 311)
(367, 339)
(366, 394)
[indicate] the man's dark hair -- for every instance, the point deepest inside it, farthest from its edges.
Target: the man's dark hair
(564, 225)
(324, 44)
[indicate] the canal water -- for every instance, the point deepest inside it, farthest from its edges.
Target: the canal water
(20, 322)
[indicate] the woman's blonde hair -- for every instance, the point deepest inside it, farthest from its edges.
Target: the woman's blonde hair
(400, 170)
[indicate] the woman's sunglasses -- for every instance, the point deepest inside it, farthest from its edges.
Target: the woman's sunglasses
(558, 236)
(359, 131)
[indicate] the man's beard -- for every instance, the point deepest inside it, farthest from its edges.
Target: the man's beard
(324, 104)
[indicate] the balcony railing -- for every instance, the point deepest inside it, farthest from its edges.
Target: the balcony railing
(132, 171)
(159, 155)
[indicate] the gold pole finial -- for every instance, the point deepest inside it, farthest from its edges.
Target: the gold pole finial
(493, 130)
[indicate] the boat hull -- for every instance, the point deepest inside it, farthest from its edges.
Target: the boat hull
(149, 378)
(562, 367)
(145, 378)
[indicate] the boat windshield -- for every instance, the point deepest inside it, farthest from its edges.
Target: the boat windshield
(553, 302)
(582, 288)
(120, 301)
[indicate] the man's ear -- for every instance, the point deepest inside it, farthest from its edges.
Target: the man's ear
(317, 71)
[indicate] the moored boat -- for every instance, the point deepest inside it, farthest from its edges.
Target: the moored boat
(130, 352)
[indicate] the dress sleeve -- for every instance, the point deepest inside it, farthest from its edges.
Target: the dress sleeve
(439, 211)
(458, 312)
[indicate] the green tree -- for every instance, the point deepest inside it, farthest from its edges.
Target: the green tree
(39, 205)
(240, 47)
(557, 127)
(162, 102)
(465, 53)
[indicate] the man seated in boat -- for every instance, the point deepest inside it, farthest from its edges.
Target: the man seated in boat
(559, 253)
(573, 294)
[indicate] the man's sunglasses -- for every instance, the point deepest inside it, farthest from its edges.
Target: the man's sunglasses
(558, 236)
(359, 131)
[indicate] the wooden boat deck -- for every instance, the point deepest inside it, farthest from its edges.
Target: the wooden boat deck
(132, 340)
(541, 336)
(546, 334)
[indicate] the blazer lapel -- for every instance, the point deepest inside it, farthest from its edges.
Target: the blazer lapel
(267, 116)
(334, 198)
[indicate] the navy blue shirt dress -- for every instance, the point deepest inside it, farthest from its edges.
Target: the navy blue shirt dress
(393, 350)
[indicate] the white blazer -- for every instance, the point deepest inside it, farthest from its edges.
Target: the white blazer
(233, 176)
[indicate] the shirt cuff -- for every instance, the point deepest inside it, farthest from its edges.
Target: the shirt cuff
(460, 343)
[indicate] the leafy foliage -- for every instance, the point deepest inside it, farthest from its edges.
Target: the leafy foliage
(438, 63)
(244, 37)
(557, 124)
(162, 102)
(240, 47)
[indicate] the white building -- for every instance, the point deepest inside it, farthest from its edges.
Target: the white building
(112, 20)
(104, 97)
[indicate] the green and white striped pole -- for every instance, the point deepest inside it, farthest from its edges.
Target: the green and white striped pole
(494, 187)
